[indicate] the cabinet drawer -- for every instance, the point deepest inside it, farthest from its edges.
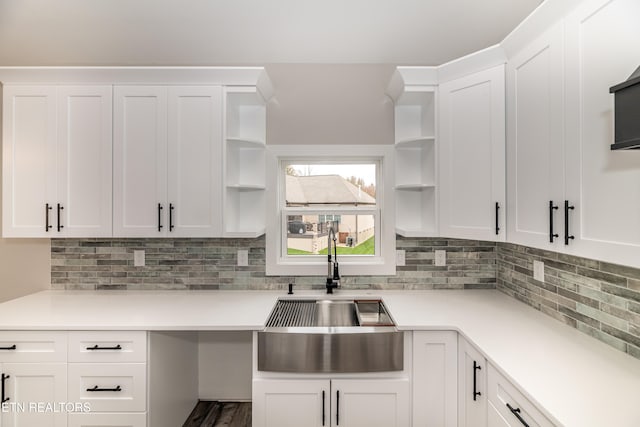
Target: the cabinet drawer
(108, 346)
(33, 346)
(512, 405)
(107, 420)
(109, 387)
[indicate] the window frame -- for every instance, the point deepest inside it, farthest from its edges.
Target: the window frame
(278, 262)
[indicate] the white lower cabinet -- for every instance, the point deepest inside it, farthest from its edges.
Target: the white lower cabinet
(435, 379)
(44, 385)
(509, 407)
(472, 385)
(324, 402)
(34, 395)
(33, 374)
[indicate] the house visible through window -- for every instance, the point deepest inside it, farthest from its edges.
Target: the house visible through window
(320, 197)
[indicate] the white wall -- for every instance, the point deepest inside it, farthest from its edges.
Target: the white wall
(330, 104)
(224, 365)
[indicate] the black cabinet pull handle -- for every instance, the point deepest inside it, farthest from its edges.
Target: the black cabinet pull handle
(96, 388)
(497, 223)
(476, 368)
(323, 414)
(159, 217)
(552, 235)
(47, 226)
(567, 236)
(338, 407)
(96, 347)
(60, 226)
(171, 208)
(13, 347)
(516, 412)
(2, 391)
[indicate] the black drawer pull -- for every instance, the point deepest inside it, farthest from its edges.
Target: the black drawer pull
(171, 208)
(567, 236)
(2, 391)
(552, 207)
(497, 216)
(60, 226)
(516, 412)
(47, 226)
(96, 388)
(160, 217)
(13, 347)
(96, 347)
(476, 368)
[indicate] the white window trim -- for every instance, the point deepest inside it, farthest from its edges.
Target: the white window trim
(383, 263)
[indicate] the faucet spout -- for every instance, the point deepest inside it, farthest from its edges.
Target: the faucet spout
(333, 273)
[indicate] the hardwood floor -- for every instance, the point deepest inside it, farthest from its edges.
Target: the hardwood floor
(220, 414)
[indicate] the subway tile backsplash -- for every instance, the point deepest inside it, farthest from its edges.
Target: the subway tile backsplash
(211, 264)
(597, 298)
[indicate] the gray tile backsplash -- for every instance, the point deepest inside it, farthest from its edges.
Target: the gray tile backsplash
(211, 264)
(598, 298)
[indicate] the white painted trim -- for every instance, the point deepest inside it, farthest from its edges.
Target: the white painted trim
(384, 264)
(240, 76)
(542, 18)
(472, 63)
(419, 75)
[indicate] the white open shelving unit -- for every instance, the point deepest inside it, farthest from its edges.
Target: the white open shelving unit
(415, 143)
(244, 154)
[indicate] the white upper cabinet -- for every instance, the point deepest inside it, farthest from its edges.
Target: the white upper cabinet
(167, 148)
(535, 143)
(84, 160)
(471, 156)
(57, 161)
(195, 152)
(602, 45)
(567, 190)
(140, 161)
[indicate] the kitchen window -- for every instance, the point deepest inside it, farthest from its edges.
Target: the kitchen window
(312, 190)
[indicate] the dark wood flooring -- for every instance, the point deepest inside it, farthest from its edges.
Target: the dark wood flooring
(220, 414)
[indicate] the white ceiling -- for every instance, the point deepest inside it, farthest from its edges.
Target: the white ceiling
(251, 32)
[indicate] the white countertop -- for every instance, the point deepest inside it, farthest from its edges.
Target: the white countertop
(577, 380)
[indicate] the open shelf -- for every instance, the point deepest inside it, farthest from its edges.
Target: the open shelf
(415, 114)
(415, 147)
(245, 158)
(415, 212)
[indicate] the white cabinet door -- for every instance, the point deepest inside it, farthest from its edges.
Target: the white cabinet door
(371, 403)
(57, 161)
(435, 379)
(195, 160)
(84, 161)
(602, 184)
(35, 391)
(140, 161)
(28, 156)
(295, 403)
(535, 157)
(472, 156)
(472, 386)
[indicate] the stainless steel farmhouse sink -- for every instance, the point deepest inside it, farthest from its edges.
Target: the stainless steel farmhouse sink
(330, 336)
